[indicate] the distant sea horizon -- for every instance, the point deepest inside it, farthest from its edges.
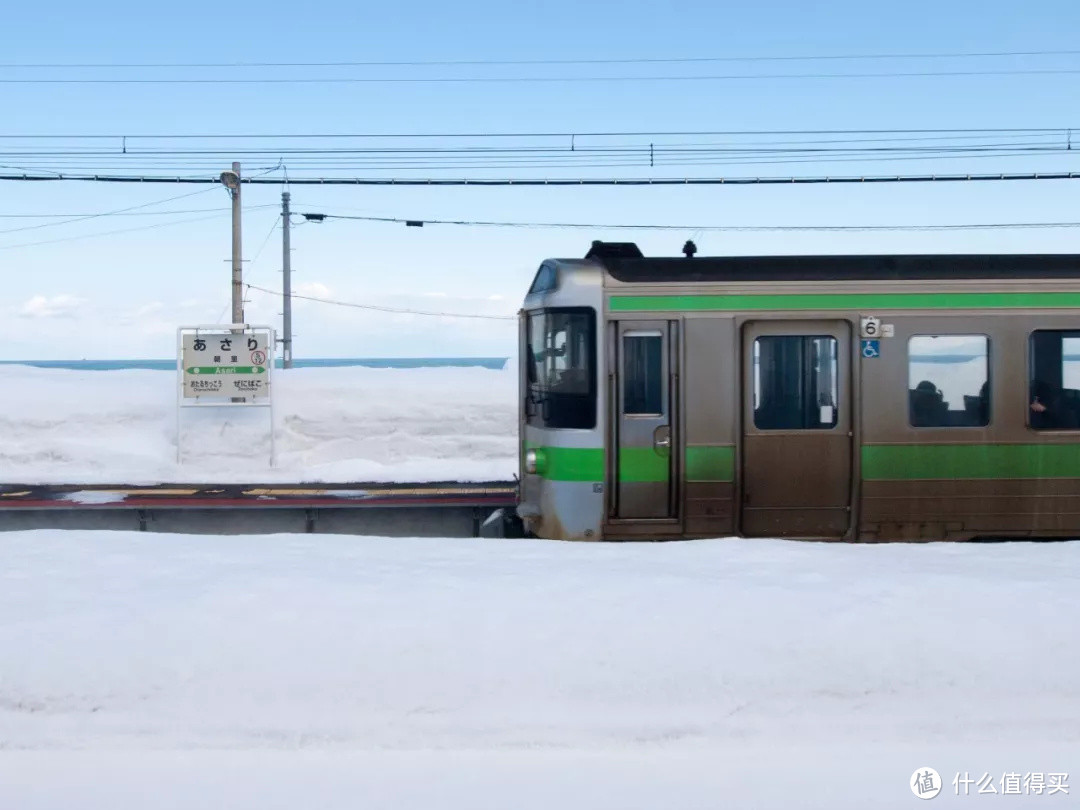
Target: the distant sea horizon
(307, 362)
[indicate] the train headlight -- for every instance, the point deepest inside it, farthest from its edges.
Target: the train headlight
(535, 462)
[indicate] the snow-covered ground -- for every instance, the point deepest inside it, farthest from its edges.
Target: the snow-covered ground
(333, 424)
(342, 672)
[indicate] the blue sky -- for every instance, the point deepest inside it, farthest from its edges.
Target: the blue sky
(124, 295)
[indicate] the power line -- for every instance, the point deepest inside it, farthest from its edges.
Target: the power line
(85, 217)
(756, 228)
(265, 241)
(565, 134)
(108, 233)
(172, 212)
(506, 62)
(255, 259)
(562, 79)
(91, 157)
(394, 310)
(569, 163)
(66, 168)
(1055, 140)
(554, 182)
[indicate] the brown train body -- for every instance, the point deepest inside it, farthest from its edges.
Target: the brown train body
(865, 398)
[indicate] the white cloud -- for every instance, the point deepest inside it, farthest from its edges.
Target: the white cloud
(59, 306)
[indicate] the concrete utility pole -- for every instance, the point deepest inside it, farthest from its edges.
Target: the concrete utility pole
(231, 181)
(286, 281)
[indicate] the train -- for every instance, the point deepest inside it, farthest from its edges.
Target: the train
(852, 398)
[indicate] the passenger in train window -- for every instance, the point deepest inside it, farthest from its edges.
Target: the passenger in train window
(984, 403)
(928, 407)
(1045, 406)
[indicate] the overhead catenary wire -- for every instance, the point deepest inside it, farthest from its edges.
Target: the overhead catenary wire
(583, 61)
(1035, 141)
(541, 153)
(528, 134)
(561, 163)
(391, 310)
(559, 149)
(711, 228)
(309, 80)
(116, 212)
(529, 182)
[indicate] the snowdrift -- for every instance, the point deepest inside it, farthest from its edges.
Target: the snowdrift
(333, 424)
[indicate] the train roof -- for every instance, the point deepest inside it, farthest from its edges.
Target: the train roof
(625, 262)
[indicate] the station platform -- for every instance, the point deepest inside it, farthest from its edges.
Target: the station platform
(444, 508)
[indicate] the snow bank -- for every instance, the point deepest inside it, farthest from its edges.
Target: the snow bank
(334, 424)
(343, 672)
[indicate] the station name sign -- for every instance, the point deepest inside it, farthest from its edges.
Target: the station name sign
(226, 363)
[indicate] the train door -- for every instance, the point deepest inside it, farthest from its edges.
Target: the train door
(643, 395)
(796, 429)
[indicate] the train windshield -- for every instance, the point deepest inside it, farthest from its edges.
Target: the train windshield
(560, 367)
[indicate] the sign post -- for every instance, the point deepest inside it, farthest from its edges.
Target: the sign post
(223, 366)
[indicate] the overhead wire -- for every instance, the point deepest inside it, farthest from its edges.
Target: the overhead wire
(392, 310)
(701, 228)
(506, 62)
(549, 134)
(172, 212)
(97, 234)
(1033, 142)
(550, 79)
(61, 159)
(85, 217)
(529, 182)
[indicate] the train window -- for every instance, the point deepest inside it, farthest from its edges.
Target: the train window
(643, 369)
(1054, 380)
(560, 369)
(949, 381)
(795, 382)
(545, 279)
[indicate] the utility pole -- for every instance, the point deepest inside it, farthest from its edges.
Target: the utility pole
(286, 281)
(231, 181)
(237, 254)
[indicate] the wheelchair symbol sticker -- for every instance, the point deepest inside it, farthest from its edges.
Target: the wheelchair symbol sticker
(871, 349)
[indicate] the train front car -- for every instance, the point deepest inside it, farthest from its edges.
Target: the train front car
(561, 402)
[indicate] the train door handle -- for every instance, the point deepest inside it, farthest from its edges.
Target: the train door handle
(662, 440)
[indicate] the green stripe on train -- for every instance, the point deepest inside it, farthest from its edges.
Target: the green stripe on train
(642, 465)
(636, 465)
(896, 462)
(844, 301)
(570, 463)
(710, 463)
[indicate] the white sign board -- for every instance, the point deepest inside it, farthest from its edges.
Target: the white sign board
(226, 364)
(870, 327)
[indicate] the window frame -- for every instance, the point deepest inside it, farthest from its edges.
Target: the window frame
(836, 382)
(642, 334)
(989, 380)
(1030, 369)
(534, 407)
(545, 280)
